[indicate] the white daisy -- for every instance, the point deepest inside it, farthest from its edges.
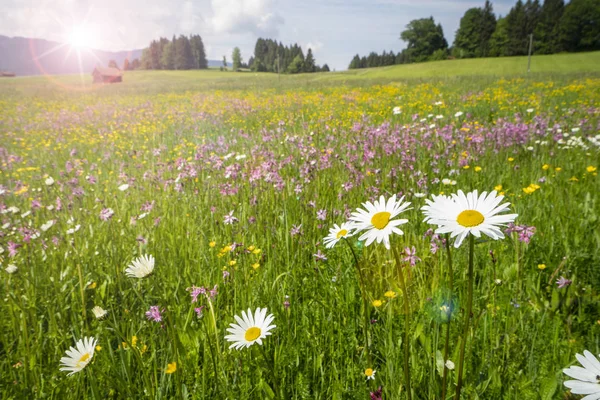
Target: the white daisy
(123, 187)
(78, 358)
(250, 329)
(397, 110)
(141, 267)
(337, 233)
(377, 220)
(49, 181)
(99, 312)
(587, 379)
(370, 373)
(11, 269)
(434, 207)
(470, 213)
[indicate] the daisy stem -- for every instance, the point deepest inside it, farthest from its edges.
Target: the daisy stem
(214, 327)
(82, 292)
(447, 339)
(406, 324)
(363, 291)
(270, 365)
(468, 318)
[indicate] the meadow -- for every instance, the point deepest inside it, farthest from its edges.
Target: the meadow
(231, 182)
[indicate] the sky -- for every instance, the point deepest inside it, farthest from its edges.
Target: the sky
(336, 30)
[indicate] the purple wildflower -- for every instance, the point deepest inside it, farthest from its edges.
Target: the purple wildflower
(411, 256)
(195, 292)
(296, 230)
(148, 206)
(12, 248)
(213, 292)
(320, 256)
(378, 394)
(229, 218)
(563, 282)
(225, 275)
(198, 311)
(154, 314)
(322, 215)
(106, 214)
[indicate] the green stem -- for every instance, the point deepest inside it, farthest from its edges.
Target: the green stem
(82, 293)
(271, 366)
(468, 318)
(406, 325)
(363, 291)
(447, 339)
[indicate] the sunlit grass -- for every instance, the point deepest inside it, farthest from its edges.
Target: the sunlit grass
(234, 180)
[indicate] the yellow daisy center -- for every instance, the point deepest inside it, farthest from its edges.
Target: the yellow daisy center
(83, 358)
(381, 219)
(369, 372)
(470, 218)
(341, 233)
(252, 334)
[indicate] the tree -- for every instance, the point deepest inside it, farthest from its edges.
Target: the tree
(474, 33)
(355, 63)
(297, 65)
(198, 53)
(225, 63)
(487, 29)
(580, 26)
(135, 64)
(251, 62)
(532, 15)
(516, 21)
(498, 44)
(113, 64)
(547, 31)
(183, 58)
(167, 57)
(126, 65)
(423, 38)
(309, 62)
(325, 68)
(236, 57)
(154, 56)
(468, 36)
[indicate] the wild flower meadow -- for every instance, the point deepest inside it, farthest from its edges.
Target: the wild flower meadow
(414, 239)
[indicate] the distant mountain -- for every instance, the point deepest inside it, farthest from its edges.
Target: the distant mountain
(25, 56)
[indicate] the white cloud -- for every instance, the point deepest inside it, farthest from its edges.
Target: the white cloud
(316, 46)
(245, 16)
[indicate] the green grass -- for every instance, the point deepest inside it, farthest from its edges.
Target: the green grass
(542, 66)
(291, 158)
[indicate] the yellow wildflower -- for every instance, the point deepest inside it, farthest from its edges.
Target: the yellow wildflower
(171, 367)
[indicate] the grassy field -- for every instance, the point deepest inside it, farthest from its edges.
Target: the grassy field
(463, 71)
(231, 182)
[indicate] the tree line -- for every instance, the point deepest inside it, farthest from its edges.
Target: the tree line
(270, 56)
(180, 53)
(555, 27)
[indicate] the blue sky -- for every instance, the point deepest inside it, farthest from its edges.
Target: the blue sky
(334, 29)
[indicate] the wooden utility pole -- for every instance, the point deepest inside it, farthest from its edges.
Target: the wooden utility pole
(278, 76)
(529, 57)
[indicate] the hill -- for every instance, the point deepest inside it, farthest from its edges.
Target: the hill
(25, 56)
(463, 72)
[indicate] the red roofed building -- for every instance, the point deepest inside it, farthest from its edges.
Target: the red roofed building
(107, 75)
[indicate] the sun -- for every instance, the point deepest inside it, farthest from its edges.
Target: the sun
(79, 37)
